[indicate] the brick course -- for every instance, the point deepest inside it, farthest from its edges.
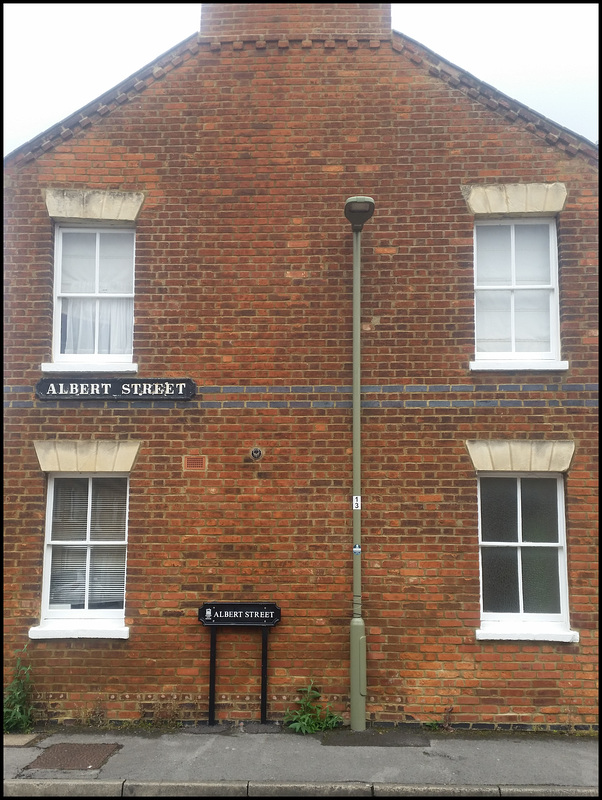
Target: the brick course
(246, 154)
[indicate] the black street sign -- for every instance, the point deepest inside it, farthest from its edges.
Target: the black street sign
(115, 389)
(216, 615)
(264, 614)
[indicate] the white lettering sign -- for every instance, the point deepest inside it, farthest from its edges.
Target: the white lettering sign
(116, 389)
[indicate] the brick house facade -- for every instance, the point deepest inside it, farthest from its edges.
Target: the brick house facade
(228, 162)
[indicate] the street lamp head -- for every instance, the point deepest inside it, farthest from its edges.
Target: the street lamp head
(358, 211)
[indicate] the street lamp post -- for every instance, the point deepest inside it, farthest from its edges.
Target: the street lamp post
(358, 211)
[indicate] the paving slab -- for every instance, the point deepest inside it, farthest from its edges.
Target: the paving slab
(310, 789)
(168, 789)
(409, 790)
(19, 739)
(548, 791)
(54, 788)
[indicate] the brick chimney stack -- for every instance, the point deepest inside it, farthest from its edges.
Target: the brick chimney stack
(227, 20)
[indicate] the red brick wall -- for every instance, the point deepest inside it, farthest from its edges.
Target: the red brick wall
(223, 20)
(246, 154)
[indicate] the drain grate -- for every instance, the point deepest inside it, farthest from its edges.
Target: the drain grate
(74, 756)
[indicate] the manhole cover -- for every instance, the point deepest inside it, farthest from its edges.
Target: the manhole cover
(74, 756)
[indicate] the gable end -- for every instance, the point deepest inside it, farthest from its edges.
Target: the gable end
(436, 66)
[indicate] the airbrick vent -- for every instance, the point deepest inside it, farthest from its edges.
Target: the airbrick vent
(195, 463)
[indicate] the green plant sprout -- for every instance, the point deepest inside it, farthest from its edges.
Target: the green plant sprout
(18, 711)
(311, 717)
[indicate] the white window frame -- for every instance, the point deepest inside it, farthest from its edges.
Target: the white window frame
(521, 625)
(97, 362)
(506, 360)
(78, 623)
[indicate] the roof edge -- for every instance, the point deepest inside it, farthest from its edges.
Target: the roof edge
(122, 92)
(496, 100)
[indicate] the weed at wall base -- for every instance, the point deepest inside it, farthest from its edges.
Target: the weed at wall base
(18, 711)
(311, 717)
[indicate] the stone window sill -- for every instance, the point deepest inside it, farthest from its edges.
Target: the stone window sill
(80, 629)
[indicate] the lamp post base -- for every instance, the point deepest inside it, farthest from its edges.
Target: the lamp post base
(358, 674)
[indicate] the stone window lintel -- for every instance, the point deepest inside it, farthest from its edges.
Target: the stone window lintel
(66, 205)
(515, 199)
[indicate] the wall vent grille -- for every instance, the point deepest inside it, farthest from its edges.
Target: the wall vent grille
(195, 463)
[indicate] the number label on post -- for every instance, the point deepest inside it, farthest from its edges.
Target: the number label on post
(357, 502)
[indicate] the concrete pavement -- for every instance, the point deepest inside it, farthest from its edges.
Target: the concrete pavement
(255, 760)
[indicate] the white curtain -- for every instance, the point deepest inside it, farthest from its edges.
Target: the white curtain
(77, 326)
(532, 321)
(494, 326)
(97, 264)
(114, 326)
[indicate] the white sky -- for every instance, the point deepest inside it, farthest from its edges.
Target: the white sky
(58, 57)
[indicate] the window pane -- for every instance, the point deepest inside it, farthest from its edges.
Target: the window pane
(116, 263)
(532, 321)
(68, 577)
(541, 588)
(493, 255)
(107, 577)
(493, 322)
(70, 509)
(499, 510)
(539, 509)
(78, 263)
(115, 326)
(77, 326)
(500, 579)
(109, 504)
(532, 254)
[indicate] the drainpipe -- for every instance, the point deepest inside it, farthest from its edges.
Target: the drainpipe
(358, 210)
